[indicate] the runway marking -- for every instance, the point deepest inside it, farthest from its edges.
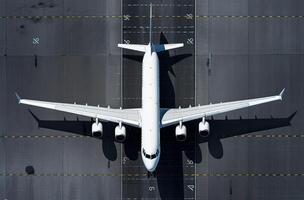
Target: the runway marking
(41, 136)
(136, 175)
(145, 32)
(83, 136)
(161, 5)
(271, 136)
(159, 27)
(139, 98)
(187, 16)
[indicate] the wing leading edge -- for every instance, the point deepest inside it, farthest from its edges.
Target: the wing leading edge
(126, 116)
(173, 116)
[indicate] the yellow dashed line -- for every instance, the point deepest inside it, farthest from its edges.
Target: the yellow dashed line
(271, 136)
(41, 136)
(144, 175)
(281, 136)
(167, 16)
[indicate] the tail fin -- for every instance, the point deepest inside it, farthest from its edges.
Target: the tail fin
(151, 16)
(158, 48)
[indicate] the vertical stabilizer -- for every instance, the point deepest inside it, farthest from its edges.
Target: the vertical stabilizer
(150, 35)
(156, 48)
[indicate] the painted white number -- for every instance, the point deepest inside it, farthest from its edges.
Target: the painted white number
(124, 160)
(151, 188)
(191, 187)
(36, 40)
(190, 162)
(190, 41)
(189, 16)
(126, 17)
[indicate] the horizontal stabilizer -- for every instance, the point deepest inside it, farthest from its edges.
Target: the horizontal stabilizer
(135, 47)
(165, 47)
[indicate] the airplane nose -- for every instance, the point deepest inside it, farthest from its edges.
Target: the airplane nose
(150, 165)
(150, 161)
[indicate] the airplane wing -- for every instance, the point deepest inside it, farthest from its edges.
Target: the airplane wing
(126, 116)
(172, 116)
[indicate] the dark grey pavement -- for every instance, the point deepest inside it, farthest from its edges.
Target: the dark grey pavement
(229, 54)
(252, 57)
(76, 61)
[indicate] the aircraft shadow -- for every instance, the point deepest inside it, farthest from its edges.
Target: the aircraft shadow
(170, 168)
(170, 171)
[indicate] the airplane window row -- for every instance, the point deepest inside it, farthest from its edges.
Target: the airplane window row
(150, 156)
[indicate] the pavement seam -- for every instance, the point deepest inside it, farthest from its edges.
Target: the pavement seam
(128, 17)
(82, 136)
(288, 174)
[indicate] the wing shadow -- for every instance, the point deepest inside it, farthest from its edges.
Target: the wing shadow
(225, 128)
(170, 179)
(84, 128)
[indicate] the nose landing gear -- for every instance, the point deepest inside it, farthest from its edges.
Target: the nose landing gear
(150, 174)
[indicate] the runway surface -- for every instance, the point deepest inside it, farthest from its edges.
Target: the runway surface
(233, 50)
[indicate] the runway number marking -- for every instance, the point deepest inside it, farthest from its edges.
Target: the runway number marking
(189, 16)
(152, 188)
(126, 17)
(36, 40)
(124, 160)
(191, 187)
(189, 162)
(190, 41)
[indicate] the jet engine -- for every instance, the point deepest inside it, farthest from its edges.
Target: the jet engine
(204, 128)
(181, 132)
(120, 133)
(97, 129)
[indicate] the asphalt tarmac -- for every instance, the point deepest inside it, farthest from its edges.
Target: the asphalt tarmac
(233, 50)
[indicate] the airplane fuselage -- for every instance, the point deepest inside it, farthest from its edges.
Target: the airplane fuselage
(150, 130)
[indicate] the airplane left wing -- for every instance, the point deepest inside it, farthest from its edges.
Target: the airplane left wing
(126, 116)
(172, 116)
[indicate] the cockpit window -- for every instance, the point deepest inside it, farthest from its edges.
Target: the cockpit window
(150, 156)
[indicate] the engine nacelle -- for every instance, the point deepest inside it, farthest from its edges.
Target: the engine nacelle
(97, 129)
(181, 132)
(204, 129)
(120, 133)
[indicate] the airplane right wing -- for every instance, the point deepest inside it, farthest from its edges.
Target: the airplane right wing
(173, 116)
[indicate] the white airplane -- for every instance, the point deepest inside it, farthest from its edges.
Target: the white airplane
(150, 117)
